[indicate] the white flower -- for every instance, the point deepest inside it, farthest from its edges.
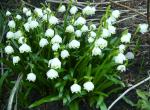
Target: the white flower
(28, 13)
(25, 9)
(111, 20)
(18, 34)
(24, 48)
(93, 10)
(52, 74)
(16, 59)
(89, 10)
(80, 21)
(92, 34)
(43, 42)
(93, 27)
(74, 44)
(64, 54)
(120, 58)
(56, 39)
(30, 19)
(53, 20)
(78, 33)
(90, 39)
(111, 29)
(126, 38)
(96, 51)
(73, 10)
(31, 77)
(102, 43)
(89, 86)
(18, 17)
(122, 48)
(27, 26)
(62, 9)
(55, 46)
(121, 68)
(9, 50)
(33, 24)
(45, 17)
(105, 33)
(10, 35)
(69, 29)
(143, 28)
(129, 55)
(54, 63)
(116, 13)
(12, 24)
(84, 28)
(39, 12)
(8, 13)
(49, 33)
(21, 40)
(47, 11)
(75, 88)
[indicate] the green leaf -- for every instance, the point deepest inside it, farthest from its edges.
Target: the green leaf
(103, 106)
(100, 103)
(141, 94)
(115, 80)
(11, 66)
(3, 77)
(89, 68)
(45, 100)
(74, 106)
(13, 92)
(128, 101)
(75, 96)
(113, 40)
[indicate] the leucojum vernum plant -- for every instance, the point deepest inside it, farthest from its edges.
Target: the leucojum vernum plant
(65, 57)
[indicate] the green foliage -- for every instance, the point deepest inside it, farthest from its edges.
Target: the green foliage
(44, 100)
(13, 93)
(81, 66)
(2, 79)
(144, 101)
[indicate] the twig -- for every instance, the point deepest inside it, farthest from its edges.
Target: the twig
(122, 11)
(129, 17)
(97, 19)
(85, 3)
(127, 8)
(102, 3)
(128, 90)
(148, 12)
(65, 2)
(27, 3)
(124, 19)
(140, 45)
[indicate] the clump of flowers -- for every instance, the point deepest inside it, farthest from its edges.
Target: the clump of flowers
(70, 58)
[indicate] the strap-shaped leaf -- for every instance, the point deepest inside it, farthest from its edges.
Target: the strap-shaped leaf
(46, 99)
(100, 103)
(3, 77)
(13, 92)
(74, 106)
